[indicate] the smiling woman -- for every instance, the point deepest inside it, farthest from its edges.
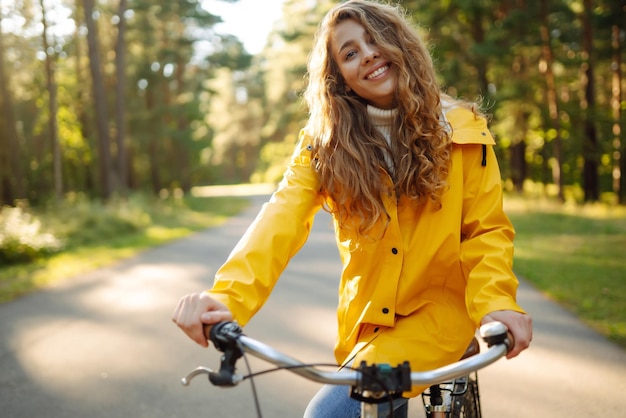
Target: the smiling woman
(249, 20)
(411, 180)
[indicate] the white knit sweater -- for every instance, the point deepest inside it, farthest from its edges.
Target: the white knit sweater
(382, 120)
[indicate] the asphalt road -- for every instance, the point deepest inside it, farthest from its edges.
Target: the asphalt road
(103, 345)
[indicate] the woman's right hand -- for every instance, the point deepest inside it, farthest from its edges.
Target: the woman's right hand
(196, 310)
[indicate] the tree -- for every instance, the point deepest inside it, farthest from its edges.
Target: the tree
(175, 104)
(588, 104)
(120, 100)
(551, 95)
(99, 96)
(11, 173)
(282, 68)
(618, 14)
(52, 105)
(172, 77)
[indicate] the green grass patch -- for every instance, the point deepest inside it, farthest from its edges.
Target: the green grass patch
(95, 235)
(576, 255)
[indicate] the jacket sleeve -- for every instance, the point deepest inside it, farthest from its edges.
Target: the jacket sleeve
(246, 279)
(486, 232)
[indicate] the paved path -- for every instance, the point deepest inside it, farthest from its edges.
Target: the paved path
(103, 346)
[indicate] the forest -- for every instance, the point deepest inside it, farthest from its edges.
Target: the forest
(103, 98)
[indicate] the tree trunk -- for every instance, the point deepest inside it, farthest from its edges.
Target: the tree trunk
(87, 171)
(52, 108)
(519, 169)
(120, 108)
(591, 182)
(183, 126)
(616, 112)
(102, 119)
(153, 151)
(11, 173)
(553, 107)
(480, 61)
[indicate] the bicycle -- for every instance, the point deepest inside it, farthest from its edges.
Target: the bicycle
(453, 391)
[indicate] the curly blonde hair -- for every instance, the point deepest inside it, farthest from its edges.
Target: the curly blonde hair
(348, 150)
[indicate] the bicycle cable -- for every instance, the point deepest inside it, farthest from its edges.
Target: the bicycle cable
(250, 376)
(291, 367)
(255, 395)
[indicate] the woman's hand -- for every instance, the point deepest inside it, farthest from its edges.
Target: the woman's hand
(520, 326)
(196, 310)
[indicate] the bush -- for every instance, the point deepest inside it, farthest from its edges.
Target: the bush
(81, 221)
(22, 238)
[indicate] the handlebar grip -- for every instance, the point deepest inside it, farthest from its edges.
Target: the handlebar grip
(223, 335)
(497, 333)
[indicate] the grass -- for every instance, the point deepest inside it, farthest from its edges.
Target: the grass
(575, 254)
(95, 235)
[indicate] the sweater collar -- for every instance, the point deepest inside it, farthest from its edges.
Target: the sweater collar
(381, 117)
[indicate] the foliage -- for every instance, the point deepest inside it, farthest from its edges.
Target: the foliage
(81, 221)
(273, 159)
(197, 109)
(575, 255)
(22, 238)
(496, 52)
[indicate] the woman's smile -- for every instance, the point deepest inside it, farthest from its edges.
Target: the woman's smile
(379, 71)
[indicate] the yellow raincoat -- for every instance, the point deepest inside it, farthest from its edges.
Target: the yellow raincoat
(418, 292)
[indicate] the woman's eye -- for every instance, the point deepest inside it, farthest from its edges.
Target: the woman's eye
(350, 54)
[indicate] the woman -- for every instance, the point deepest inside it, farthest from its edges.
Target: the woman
(412, 182)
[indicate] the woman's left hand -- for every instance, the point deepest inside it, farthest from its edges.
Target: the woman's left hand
(520, 326)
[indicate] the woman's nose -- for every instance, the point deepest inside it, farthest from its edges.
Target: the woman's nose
(370, 53)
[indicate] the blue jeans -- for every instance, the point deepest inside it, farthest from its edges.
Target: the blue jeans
(335, 402)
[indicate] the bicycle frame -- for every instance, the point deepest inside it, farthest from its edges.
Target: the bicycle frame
(388, 382)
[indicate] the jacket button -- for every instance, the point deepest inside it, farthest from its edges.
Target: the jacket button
(394, 250)
(376, 329)
(385, 310)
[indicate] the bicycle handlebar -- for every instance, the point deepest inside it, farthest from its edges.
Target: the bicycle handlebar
(365, 380)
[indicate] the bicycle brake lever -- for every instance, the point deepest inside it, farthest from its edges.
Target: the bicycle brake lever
(200, 370)
(224, 336)
(221, 378)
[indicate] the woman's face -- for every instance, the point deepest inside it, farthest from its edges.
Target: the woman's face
(364, 70)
